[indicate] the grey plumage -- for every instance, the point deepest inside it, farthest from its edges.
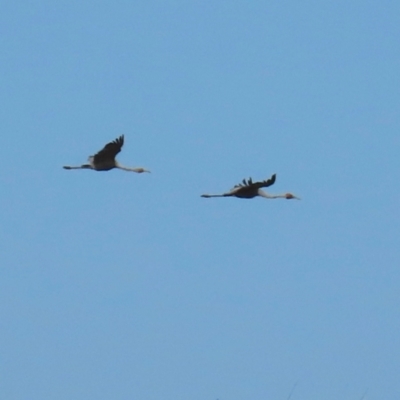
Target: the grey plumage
(249, 189)
(104, 160)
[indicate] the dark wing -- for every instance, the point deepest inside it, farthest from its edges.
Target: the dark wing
(250, 184)
(244, 183)
(109, 151)
(266, 183)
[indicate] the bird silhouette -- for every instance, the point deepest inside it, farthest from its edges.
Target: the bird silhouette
(249, 189)
(105, 160)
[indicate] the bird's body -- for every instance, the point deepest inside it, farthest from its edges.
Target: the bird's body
(105, 160)
(249, 189)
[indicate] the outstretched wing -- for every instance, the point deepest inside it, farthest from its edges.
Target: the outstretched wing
(250, 184)
(266, 183)
(109, 151)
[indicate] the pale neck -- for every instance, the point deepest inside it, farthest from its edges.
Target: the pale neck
(129, 168)
(270, 196)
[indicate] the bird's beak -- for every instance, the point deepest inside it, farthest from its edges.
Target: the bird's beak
(291, 196)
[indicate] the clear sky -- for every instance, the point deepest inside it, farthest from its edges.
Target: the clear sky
(115, 285)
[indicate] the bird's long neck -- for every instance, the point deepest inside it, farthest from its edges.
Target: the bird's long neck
(270, 196)
(130, 169)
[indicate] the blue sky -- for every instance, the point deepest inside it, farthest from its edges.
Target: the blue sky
(123, 286)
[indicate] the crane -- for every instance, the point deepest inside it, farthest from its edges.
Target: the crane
(105, 160)
(249, 189)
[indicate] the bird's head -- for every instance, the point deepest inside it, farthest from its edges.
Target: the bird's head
(290, 196)
(140, 170)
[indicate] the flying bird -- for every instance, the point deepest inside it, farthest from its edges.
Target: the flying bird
(249, 189)
(105, 160)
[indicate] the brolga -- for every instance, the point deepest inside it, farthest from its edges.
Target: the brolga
(249, 189)
(105, 160)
